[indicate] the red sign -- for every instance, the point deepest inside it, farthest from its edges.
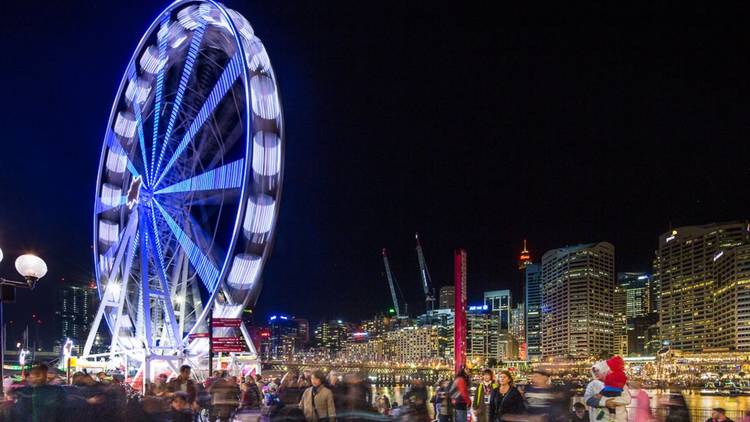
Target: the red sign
(226, 340)
(228, 349)
(459, 331)
(226, 322)
(198, 335)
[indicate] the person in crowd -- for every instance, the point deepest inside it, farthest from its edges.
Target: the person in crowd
(304, 379)
(357, 399)
(642, 409)
(183, 383)
(250, 398)
(338, 388)
(600, 405)
(317, 401)
(225, 398)
(745, 418)
(506, 401)
(416, 398)
(545, 402)
(39, 401)
(579, 414)
(443, 407)
(384, 405)
(480, 404)
(718, 414)
(460, 398)
(181, 410)
(395, 410)
(214, 376)
(674, 407)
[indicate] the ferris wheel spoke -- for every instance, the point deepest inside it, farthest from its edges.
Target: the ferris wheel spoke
(145, 290)
(161, 272)
(232, 71)
(228, 176)
(203, 265)
(187, 70)
(118, 249)
(163, 38)
(139, 125)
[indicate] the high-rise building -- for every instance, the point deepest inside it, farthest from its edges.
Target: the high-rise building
(524, 259)
(702, 274)
(533, 281)
(303, 332)
(499, 303)
(77, 307)
(620, 320)
(331, 335)
(284, 337)
(577, 301)
(447, 297)
(482, 333)
(733, 299)
(638, 291)
(518, 322)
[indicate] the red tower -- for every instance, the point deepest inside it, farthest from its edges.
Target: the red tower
(525, 258)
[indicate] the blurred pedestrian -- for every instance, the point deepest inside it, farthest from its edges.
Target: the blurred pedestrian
(225, 398)
(545, 402)
(39, 401)
(718, 414)
(416, 400)
(579, 413)
(642, 409)
(442, 399)
(317, 401)
(250, 398)
(180, 408)
(183, 383)
(460, 396)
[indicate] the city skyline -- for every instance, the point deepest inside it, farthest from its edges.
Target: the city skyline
(516, 136)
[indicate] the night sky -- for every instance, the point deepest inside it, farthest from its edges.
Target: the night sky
(476, 128)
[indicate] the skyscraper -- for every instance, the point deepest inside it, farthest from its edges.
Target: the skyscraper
(76, 310)
(533, 276)
(638, 291)
(499, 303)
(447, 297)
(331, 335)
(284, 337)
(577, 301)
(703, 275)
(482, 335)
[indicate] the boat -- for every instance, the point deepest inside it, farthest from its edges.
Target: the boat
(710, 389)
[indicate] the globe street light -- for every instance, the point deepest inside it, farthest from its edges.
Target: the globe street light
(31, 268)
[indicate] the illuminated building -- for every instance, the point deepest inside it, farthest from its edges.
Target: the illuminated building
(482, 332)
(518, 322)
(702, 276)
(577, 300)
(284, 337)
(499, 303)
(638, 291)
(533, 281)
(75, 314)
(303, 332)
(331, 335)
(447, 297)
(620, 320)
(732, 296)
(412, 344)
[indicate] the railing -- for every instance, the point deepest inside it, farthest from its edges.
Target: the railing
(702, 414)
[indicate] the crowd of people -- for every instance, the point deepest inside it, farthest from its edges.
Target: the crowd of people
(314, 396)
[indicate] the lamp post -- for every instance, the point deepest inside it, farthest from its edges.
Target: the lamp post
(31, 268)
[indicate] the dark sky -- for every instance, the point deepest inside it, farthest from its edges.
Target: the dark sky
(477, 128)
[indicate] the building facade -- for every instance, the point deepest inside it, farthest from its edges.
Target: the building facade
(577, 300)
(413, 344)
(77, 307)
(701, 271)
(447, 297)
(533, 282)
(499, 303)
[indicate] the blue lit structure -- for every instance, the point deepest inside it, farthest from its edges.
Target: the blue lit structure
(188, 186)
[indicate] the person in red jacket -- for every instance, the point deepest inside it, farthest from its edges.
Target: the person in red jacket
(460, 396)
(615, 380)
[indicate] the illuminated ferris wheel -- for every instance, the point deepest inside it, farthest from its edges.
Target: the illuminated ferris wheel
(189, 182)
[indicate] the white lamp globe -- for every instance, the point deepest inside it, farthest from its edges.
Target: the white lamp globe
(1, 255)
(31, 267)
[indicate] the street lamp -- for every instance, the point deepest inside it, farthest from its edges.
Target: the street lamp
(31, 268)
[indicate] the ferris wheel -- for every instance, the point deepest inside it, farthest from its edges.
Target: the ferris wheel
(189, 182)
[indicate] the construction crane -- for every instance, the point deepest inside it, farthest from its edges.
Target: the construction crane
(391, 282)
(429, 292)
